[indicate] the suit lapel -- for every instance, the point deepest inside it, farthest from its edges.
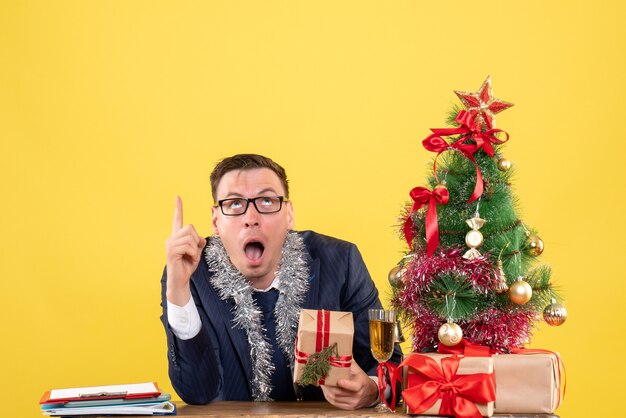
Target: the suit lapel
(310, 302)
(219, 313)
(237, 336)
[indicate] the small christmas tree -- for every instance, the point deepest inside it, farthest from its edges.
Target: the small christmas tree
(471, 270)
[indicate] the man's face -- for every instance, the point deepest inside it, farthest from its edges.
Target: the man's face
(254, 240)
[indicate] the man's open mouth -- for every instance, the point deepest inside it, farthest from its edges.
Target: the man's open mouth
(254, 250)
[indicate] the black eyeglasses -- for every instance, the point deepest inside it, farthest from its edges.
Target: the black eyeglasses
(239, 205)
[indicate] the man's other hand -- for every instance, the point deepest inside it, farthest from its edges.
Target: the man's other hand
(183, 251)
(356, 392)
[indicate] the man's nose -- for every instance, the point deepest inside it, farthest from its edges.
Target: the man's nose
(251, 217)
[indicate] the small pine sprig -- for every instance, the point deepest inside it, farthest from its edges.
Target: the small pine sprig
(543, 291)
(452, 297)
(451, 119)
(318, 365)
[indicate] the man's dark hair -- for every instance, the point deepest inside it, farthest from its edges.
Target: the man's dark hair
(246, 162)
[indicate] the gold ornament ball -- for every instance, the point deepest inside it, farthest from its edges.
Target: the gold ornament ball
(555, 314)
(441, 186)
(534, 245)
(450, 334)
(520, 292)
(474, 238)
(396, 276)
(504, 164)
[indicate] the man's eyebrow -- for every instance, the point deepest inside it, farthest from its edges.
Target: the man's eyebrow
(267, 189)
(239, 195)
(233, 194)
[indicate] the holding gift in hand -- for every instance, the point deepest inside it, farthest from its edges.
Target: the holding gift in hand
(323, 347)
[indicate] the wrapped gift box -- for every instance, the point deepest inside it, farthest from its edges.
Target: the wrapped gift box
(527, 383)
(319, 329)
(480, 368)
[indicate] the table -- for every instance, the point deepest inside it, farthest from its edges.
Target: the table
(294, 409)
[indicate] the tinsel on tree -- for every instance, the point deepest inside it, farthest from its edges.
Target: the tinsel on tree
(472, 267)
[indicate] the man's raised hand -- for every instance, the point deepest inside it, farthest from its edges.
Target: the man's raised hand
(183, 251)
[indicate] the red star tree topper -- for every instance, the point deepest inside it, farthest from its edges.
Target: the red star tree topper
(483, 104)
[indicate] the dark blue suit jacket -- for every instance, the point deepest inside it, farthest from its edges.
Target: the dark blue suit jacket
(216, 365)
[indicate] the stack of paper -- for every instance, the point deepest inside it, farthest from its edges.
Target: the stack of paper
(133, 399)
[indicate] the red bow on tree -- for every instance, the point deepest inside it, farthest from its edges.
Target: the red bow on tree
(422, 196)
(469, 130)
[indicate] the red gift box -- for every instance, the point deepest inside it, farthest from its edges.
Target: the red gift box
(443, 384)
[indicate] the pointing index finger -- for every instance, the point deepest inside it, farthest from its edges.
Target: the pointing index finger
(177, 224)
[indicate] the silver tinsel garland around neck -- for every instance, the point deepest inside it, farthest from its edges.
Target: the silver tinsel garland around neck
(293, 273)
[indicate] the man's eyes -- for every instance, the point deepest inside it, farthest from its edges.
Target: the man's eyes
(241, 203)
(235, 204)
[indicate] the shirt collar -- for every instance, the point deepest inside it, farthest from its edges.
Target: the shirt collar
(274, 285)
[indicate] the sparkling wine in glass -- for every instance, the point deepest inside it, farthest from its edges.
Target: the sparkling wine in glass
(382, 325)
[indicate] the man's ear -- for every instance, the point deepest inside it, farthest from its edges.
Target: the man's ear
(214, 210)
(290, 218)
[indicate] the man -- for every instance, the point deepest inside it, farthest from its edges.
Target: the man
(231, 302)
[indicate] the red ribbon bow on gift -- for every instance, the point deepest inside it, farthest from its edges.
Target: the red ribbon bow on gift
(469, 130)
(458, 392)
(422, 196)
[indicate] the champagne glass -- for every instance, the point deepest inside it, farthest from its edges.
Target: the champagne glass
(382, 325)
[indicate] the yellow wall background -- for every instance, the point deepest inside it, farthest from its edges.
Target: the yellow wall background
(108, 109)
